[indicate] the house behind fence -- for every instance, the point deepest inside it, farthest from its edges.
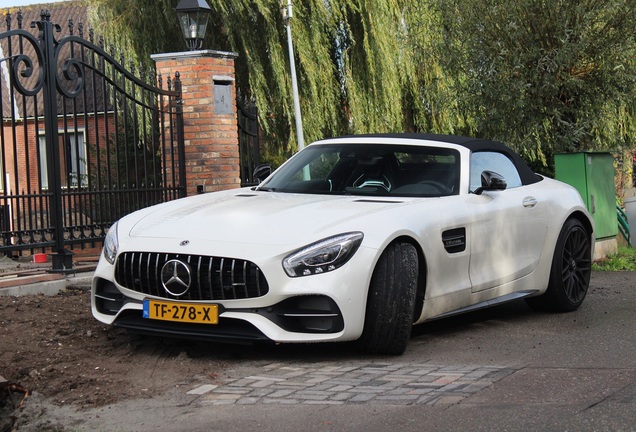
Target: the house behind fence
(86, 139)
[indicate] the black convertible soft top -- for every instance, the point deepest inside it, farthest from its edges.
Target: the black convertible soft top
(473, 144)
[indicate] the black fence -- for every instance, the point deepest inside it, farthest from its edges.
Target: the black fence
(85, 140)
(248, 138)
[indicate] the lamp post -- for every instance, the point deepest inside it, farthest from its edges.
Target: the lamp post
(287, 15)
(193, 18)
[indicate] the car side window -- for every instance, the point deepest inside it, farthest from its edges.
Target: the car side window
(493, 161)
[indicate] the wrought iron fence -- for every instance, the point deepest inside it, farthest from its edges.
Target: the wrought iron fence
(85, 140)
(248, 138)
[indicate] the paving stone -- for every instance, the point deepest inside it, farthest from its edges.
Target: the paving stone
(399, 378)
(362, 389)
(362, 398)
(280, 393)
(425, 385)
(398, 391)
(265, 378)
(420, 391)
(336, 384)
(323, 402)
(202, 389)
(342, 396)
(262, 383)
(397, 398)
(339, 388)
(454, 387)
(317, 379)
(261, 392)
(242, 382)
(280, 401)
(293, 384)
(424, 371)
(248, 401)
(233, 390)
(449, 400)
(427, 399)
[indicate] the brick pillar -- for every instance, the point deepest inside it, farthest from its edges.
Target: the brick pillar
(209, 116)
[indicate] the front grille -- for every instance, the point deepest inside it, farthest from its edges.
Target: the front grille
(212, 278)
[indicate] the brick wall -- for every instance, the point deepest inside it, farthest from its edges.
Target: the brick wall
(210, 127)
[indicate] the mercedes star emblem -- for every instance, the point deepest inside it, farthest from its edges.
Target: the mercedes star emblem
(175, 277)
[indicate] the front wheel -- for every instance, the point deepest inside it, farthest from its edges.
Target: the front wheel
(570, 272)
(391, 301)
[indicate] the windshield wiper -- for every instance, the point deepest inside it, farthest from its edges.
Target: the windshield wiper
(266, 189)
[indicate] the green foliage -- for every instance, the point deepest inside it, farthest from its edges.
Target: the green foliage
(358, 69)
(624, 260)
(543, 76)
(547, 77)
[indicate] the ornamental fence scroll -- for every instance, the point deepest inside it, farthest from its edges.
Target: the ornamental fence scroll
(85, 140)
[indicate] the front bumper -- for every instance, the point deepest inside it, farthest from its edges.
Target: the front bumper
(325, 307)
(310, 314)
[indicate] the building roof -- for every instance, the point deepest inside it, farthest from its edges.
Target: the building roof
(70, 16)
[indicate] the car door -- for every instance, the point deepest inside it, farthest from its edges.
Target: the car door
(507, 227)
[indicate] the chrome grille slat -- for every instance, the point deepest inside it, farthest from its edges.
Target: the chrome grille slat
(138, 260)
(148, 267)
(130, 274)
(213, 278)
(199, 284)
(221, 277)
(245, 277)
(210, 276)
(232, 280)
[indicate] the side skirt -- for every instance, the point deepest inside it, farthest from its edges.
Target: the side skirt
(487, 303)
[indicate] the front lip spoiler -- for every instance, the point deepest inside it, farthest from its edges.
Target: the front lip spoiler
(228, 330)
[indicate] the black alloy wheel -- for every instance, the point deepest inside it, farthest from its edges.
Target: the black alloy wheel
(570, 272)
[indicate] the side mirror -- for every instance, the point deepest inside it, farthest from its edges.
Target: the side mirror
(261, 172)
(491, 181)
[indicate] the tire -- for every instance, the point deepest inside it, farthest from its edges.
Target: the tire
(570, 272)
(391, 301)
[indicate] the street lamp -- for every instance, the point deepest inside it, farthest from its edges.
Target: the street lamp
(287, 15)
(193, 18)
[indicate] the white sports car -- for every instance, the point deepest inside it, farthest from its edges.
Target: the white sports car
(353, 238)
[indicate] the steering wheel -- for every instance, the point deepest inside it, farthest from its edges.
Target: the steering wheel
(384, 184)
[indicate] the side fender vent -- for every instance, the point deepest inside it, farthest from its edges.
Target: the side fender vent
(454, 240)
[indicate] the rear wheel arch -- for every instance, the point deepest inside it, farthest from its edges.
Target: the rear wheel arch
(580, 216)
(570, 268)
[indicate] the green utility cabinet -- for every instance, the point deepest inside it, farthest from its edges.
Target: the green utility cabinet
(592, 174)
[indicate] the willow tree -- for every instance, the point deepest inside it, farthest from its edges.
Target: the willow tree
(545, 76)
(359, 70)
(432, 91)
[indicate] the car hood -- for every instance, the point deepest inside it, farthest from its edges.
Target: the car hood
(266, 218)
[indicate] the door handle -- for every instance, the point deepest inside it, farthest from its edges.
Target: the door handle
(529, 202)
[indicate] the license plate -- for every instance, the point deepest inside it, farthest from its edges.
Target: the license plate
(181, 312)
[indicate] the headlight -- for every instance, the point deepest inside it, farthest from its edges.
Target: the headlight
(323, 256)
(111, 244)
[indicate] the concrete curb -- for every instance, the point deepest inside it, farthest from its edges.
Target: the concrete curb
(45, 284)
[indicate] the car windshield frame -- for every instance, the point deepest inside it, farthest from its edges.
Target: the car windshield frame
(393, 170)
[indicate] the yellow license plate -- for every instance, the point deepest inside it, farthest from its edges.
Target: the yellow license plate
(181, 312)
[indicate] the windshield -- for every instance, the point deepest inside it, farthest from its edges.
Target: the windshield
(369, 169)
